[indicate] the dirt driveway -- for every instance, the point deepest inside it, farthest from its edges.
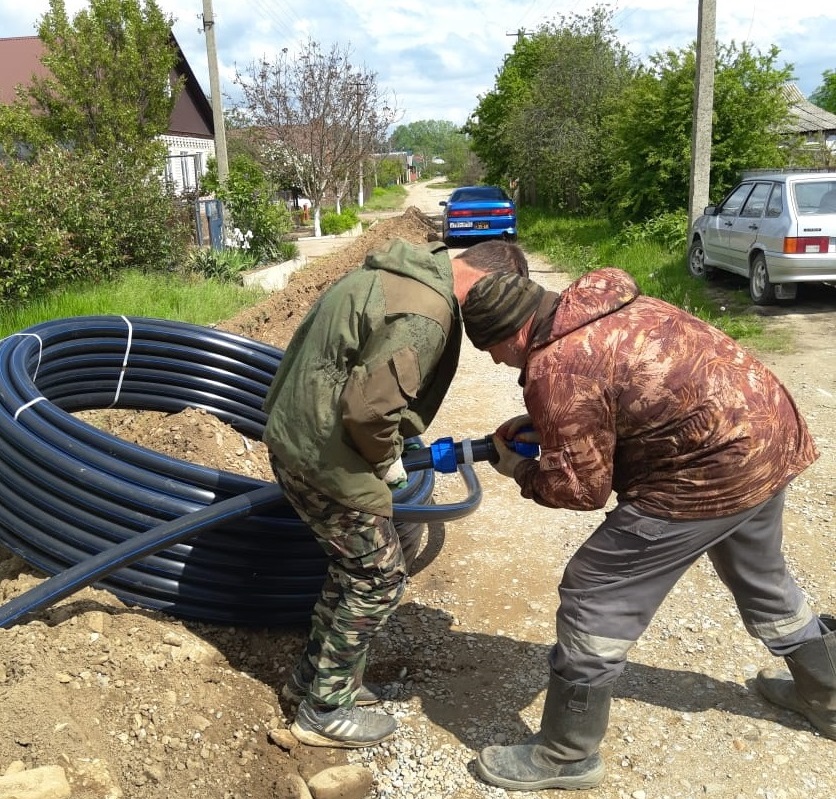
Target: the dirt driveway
(131, 703)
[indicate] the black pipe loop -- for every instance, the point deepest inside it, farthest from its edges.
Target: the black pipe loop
(90, 508)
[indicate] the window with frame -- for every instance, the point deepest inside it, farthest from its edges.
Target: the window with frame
(755, 203)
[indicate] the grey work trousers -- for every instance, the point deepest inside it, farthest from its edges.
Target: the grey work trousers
(616, 581)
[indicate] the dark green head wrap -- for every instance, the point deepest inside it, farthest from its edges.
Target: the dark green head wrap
(497, 306)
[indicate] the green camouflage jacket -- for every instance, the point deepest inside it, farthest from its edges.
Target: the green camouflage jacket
(367, 367)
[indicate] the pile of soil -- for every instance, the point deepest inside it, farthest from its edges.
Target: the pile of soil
(137, 704)
(274, 320)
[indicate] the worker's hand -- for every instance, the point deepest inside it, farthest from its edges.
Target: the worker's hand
(510, 430)
(508, 459)
(395, 476)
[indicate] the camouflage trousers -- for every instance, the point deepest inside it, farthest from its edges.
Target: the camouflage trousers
(365, 580)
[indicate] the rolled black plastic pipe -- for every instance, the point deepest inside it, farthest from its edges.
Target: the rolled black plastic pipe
(117, 557)
(69, 492)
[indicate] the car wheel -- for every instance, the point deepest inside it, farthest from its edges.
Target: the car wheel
(696, 261)
(761, 289)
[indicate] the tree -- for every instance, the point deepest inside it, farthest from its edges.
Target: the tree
(543, 122)
(488, 125)
(88, 136)
(825, 95)
(433, 138)
(321, 116)
(650, 128)
(110, 83)
(559, 128)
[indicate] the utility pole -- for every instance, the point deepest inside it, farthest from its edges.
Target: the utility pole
(215, 93)
(520, 34)
(703, 109)
(360, 85)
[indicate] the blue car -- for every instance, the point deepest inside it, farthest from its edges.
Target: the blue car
(478, 212)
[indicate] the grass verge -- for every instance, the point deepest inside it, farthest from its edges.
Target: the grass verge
(578, 245)
(390, 198)
(179, 297)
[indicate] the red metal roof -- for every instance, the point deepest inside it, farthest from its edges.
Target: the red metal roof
(20, 58)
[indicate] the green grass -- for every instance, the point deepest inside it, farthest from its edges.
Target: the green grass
(578, 245)
(389, 199)
(179, 297)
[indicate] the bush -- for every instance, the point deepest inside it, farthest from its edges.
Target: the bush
(332, 223)
(70, 215)
(247, 201)
(225, 265)
(670, 230)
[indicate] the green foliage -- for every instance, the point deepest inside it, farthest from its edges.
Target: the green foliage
(389, 171)
(70, 215)
(542, 124)
(431, 138)
(174, 295)
(333, 223)
(670, 230)
(649, 130)
(110, 83)
(248, 203)
(225, 265)
(286, 251)
(825, 95)
(21, 133)
(390, 198)
(579, 244)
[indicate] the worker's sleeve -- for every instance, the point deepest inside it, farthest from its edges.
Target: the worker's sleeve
(575, 417)
(375, 401)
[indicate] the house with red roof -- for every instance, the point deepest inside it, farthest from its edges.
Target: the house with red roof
(190, 137)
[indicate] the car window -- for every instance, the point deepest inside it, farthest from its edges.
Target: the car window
(815, 197)
(775, 206)
(732, 204)
(487, 194)
(756, 202)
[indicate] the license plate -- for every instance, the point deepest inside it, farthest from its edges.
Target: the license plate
(481, 225)
(461, 224)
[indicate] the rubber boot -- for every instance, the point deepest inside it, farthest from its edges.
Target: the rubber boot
(564, 754)
(809, 687)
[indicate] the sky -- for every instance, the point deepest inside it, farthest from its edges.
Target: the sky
(434, 60)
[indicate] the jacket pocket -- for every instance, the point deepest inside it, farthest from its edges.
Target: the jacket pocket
(408, 371)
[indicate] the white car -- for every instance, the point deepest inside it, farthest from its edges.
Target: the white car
(777, 230)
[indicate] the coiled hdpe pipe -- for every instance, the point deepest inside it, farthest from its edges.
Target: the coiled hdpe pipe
(158, 532)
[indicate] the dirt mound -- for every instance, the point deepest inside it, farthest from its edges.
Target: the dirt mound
(274, 320)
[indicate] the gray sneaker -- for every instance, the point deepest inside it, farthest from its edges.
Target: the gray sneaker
(344, 727)
(294, 692)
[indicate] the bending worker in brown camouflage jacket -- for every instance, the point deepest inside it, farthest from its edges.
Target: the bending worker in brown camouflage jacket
(698, 440)
(366, 369)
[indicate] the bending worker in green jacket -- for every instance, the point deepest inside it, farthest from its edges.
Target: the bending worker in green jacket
(367, 368)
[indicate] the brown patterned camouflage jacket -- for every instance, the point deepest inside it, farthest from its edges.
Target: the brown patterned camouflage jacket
(633, 395)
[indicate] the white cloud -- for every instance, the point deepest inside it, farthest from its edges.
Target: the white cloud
(438, 58)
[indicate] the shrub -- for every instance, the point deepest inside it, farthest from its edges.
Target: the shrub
(69, 215)
(247, 201)
(670, 230)
(333, 224)
(225, 265)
